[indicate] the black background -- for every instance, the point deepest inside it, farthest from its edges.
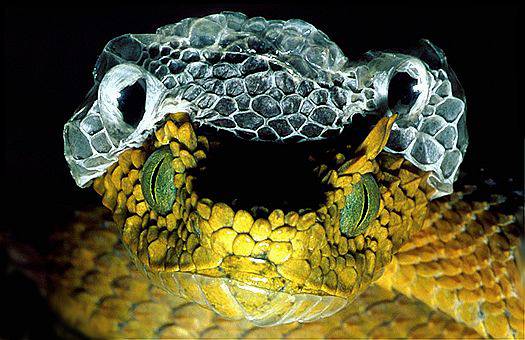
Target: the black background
(49, 54)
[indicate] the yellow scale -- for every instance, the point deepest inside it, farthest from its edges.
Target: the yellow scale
(444, 268)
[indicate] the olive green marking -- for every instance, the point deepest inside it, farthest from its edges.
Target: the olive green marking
(353, 210)
(157, 180)
(361, 206)
(372, 195)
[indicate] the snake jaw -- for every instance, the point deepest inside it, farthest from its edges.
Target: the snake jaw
(297, 255)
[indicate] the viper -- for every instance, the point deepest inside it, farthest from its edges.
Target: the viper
(258, 183)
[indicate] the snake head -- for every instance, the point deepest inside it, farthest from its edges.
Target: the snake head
(252, 168)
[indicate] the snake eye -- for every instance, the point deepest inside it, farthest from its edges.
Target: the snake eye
(361, 206)
(402, 93)
(132, 102)
(157, 181)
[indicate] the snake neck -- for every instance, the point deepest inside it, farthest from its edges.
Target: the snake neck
(464, 262)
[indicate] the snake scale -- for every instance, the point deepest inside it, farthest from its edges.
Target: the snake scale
(257, 183)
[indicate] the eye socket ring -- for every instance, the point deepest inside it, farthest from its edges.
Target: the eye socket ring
(123, 108)
(402, 93)
(407, 88)
(132, 102)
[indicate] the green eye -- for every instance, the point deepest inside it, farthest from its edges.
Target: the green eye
(157, 181)
(361, 206)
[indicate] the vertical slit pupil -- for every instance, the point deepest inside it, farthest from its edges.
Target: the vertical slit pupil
(132, 102)
(365, 206)
(154, 177)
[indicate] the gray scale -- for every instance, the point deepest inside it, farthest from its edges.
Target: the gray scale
(438, 139)
(265, 80)
(254, 83)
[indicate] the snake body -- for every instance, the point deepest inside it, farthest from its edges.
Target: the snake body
(437, 286)
(193, 251)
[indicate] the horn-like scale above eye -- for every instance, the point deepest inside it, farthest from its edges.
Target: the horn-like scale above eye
(157, 180)
(361, 206)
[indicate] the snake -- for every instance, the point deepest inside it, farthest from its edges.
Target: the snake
(258, 183)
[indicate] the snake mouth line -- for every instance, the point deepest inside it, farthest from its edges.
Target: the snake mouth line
(235, 300)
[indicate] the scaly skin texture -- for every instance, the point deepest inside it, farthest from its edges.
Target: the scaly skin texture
(464, 263)
(446, 268)
(99, 291)
(297, 252)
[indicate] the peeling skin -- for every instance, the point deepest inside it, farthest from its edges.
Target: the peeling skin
(284, 82)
